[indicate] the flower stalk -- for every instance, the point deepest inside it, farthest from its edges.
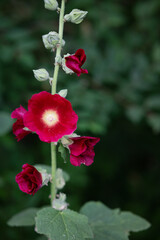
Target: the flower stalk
(53, 172)
(53, 91)
(59, 47)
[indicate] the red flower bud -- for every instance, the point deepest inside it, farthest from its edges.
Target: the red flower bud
(29, 180)
(81, 150)
(75, 62)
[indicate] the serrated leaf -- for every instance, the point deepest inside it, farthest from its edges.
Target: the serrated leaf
(62, 225)
(24, 218)
(108, 224)
(64, 152)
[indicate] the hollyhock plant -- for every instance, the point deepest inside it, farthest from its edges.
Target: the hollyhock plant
(19, 127)
(50, 116)
(29, 180)
(73, 63)
(82, 150)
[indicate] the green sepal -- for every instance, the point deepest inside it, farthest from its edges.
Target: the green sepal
(64, 152)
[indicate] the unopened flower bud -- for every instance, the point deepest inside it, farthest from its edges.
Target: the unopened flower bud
(51, 40)
(41, 74)
(51, 4)
(60, 203)
(63, 92)
(60, 182)
(75, 16)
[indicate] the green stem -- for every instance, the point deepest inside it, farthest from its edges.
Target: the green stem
(53, 91)
(53, 166)
(59, 48)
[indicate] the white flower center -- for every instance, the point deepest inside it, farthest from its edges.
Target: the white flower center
(50, 117)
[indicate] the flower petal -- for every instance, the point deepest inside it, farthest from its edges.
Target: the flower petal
(50, 116)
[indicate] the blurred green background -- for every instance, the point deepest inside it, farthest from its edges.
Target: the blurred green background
(118, 101)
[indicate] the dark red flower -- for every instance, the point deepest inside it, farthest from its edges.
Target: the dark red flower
(75, 62)
(18, 126)
(82, 150)
(50, 116)
(29, 180)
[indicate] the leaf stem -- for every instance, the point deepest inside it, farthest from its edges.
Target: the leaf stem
(53, 91)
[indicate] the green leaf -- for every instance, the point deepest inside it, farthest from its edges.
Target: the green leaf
(62, 225)
(24, 218)
(5, 123)
(64, 152)
(110, 224)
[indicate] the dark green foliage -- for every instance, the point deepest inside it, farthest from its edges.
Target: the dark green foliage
(119, 100)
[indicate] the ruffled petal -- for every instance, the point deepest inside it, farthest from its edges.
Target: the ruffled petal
(50, 116)
(82, 150)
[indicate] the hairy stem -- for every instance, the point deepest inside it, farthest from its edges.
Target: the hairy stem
(53, 91)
